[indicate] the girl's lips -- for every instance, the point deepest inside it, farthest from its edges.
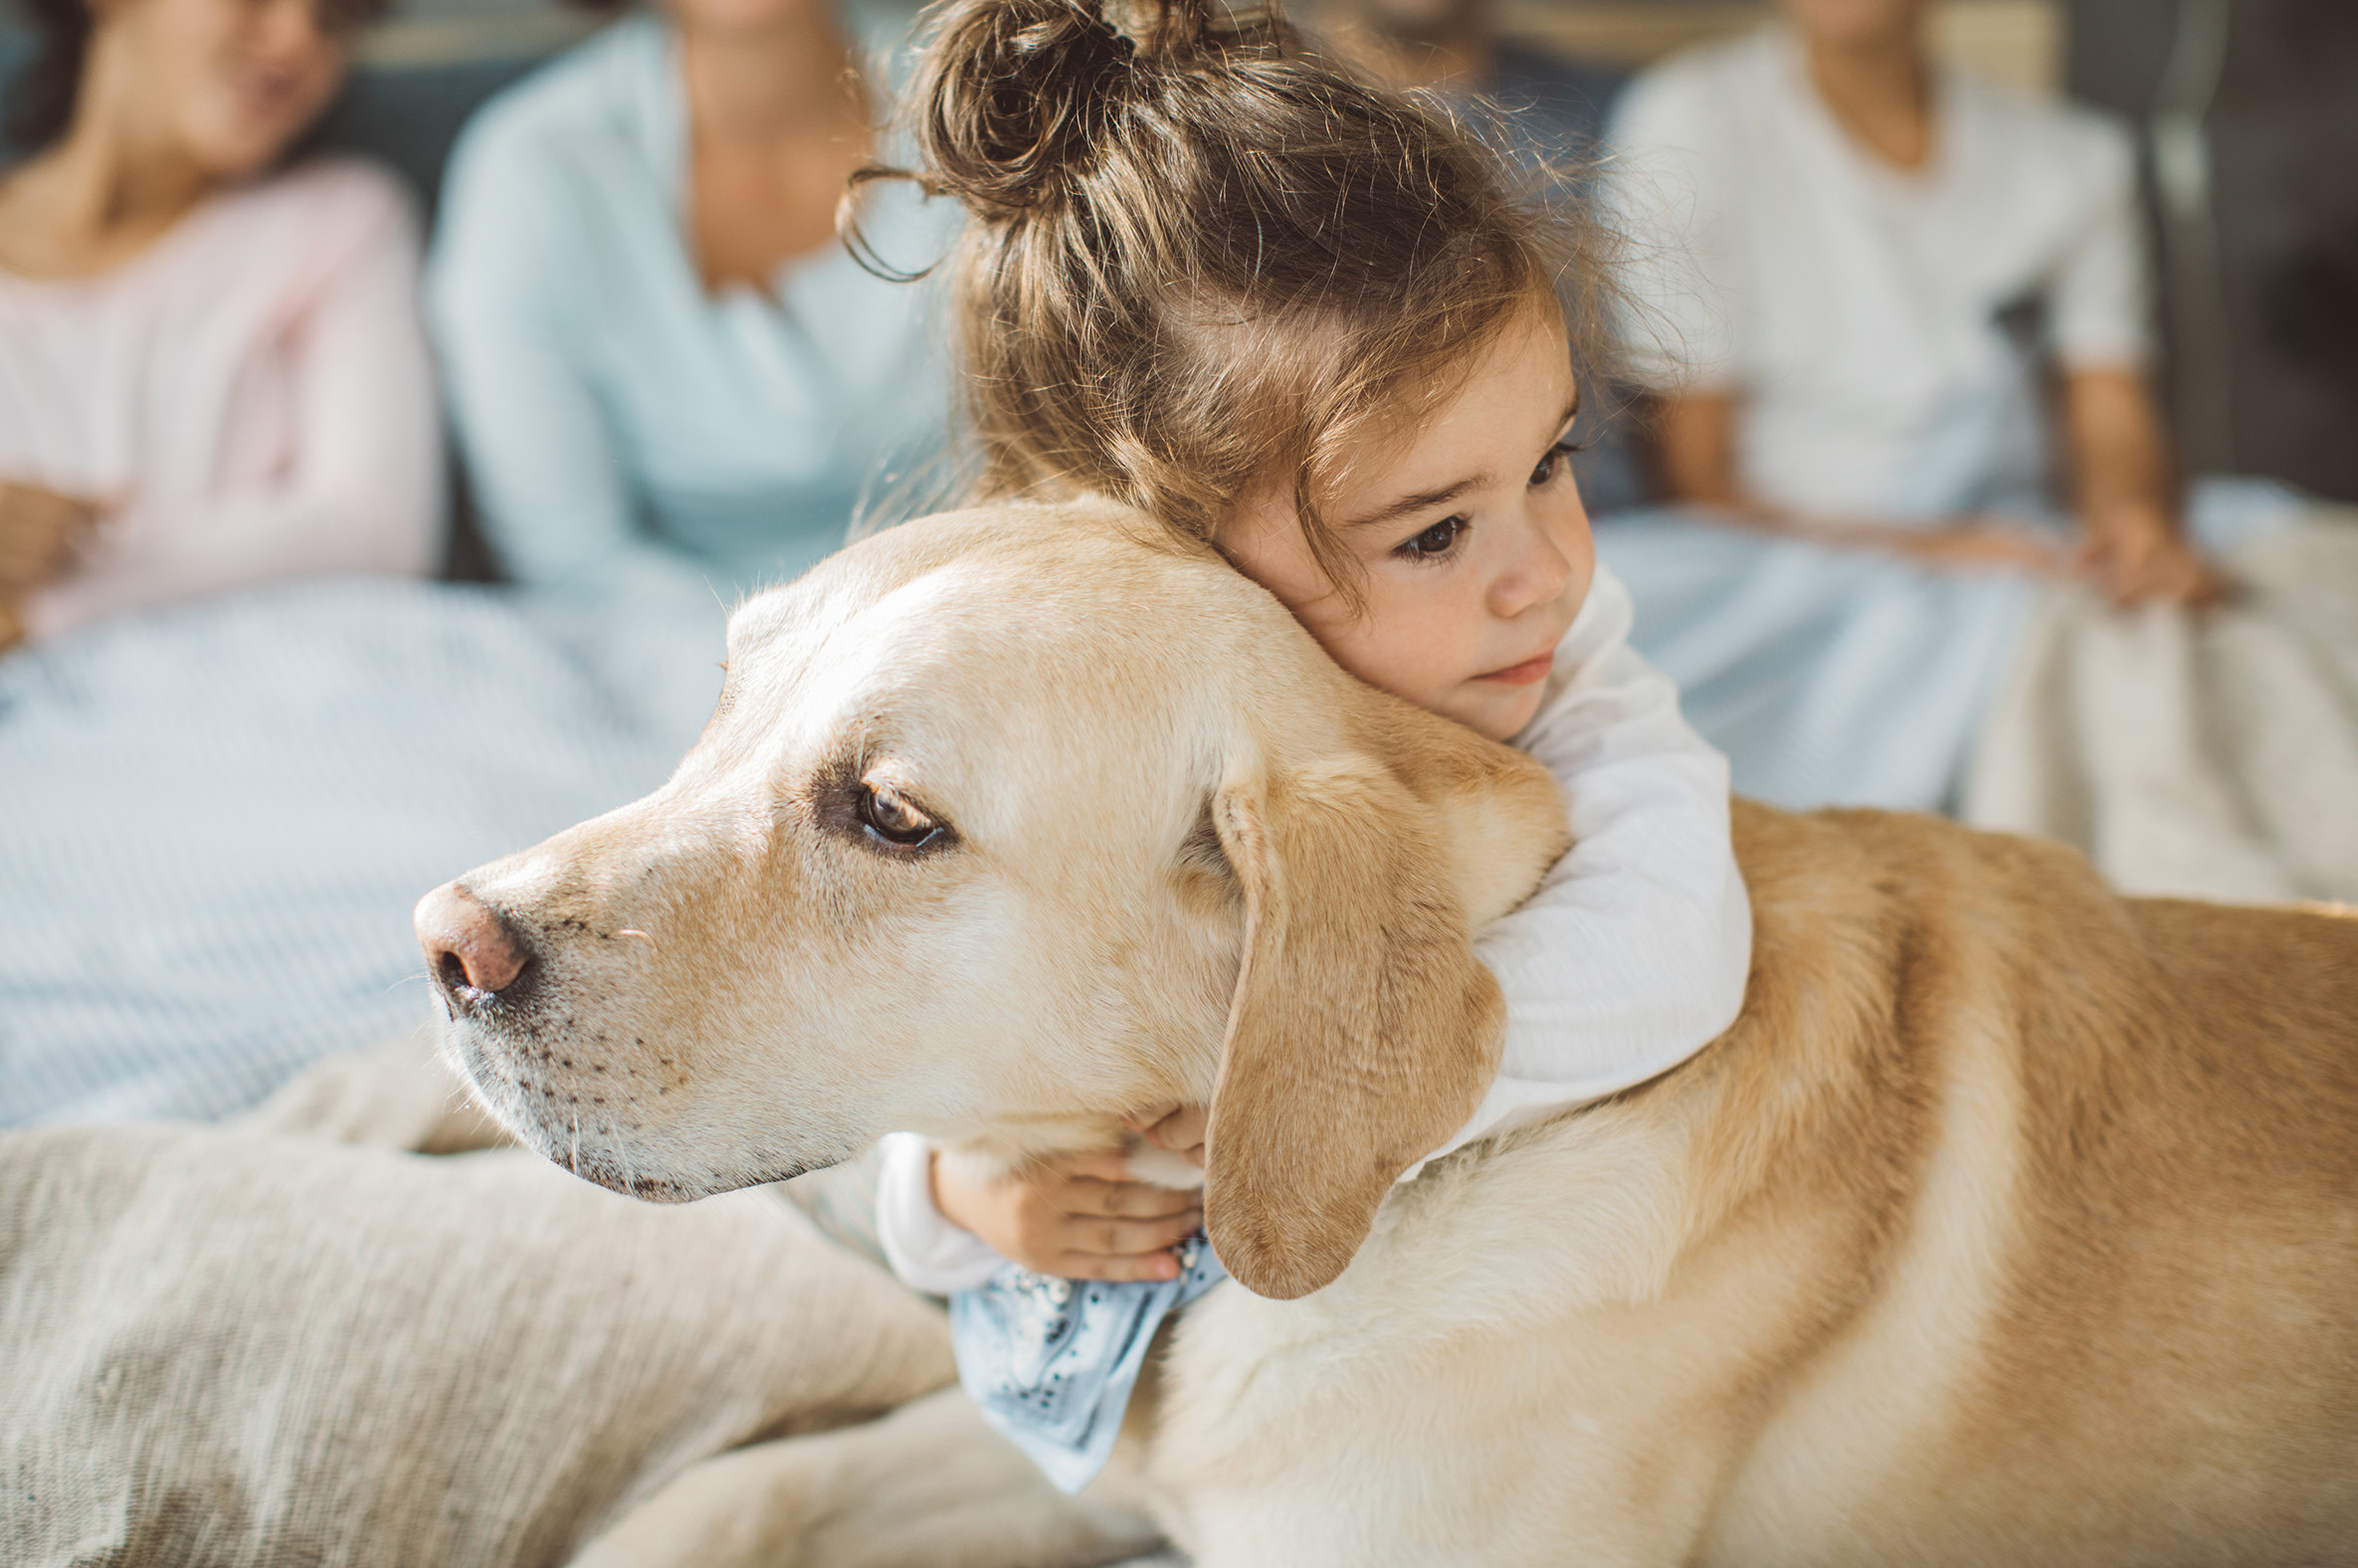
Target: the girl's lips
(1524, 673)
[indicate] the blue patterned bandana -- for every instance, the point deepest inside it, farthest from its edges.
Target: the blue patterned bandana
(1052, 1362)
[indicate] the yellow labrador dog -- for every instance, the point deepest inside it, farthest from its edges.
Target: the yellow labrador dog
(2014, 1222)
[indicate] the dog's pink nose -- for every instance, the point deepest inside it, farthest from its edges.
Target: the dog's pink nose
(466, 943)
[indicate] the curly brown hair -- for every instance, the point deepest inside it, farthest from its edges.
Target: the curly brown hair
(1200, 257)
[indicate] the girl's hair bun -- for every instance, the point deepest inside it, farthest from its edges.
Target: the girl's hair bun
(1015, 95)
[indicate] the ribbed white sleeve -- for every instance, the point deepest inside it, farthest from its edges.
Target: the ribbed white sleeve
(926, 1250)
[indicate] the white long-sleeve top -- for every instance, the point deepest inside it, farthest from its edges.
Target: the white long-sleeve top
(1630, 958)
(249, 399)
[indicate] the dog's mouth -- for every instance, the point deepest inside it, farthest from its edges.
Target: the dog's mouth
(594, 1147)
(605, 1169)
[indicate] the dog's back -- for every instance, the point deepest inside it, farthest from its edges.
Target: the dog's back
(2120, 1297)
(2179, 1338)
(2014, 1222)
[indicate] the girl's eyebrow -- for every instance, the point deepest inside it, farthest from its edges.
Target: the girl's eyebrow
(1408, 506)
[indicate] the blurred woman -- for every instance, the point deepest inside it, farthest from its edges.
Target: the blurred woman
(668, 375)
(1893, 258)
(1895, 319)
(211, 374)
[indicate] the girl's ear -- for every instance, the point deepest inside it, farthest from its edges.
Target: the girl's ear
(1363, 1031)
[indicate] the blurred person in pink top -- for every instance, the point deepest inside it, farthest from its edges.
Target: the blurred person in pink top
(212, 372)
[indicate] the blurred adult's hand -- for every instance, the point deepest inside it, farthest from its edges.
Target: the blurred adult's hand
(40, 531)
(2134, 555)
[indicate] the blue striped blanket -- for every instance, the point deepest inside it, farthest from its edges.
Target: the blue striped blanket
(214, 821)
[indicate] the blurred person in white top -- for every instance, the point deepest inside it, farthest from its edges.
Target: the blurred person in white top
(212, 373)
(1882, 299)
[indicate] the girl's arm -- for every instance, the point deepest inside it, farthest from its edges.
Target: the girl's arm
(364, 492)
(925, 1249)
(1635, 951)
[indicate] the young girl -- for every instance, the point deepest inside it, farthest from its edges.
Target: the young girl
(1211, 277)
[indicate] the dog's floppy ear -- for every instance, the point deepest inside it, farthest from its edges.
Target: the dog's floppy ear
(1363, 1031)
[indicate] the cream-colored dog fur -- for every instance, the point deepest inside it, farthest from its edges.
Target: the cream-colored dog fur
(2014, 1222)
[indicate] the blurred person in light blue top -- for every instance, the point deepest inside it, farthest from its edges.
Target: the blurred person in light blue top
(666, 373)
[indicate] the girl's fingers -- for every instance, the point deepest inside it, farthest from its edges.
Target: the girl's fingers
(1122, 1200)
(1128, 1239)
(1153, 1267)
(1134, 1237)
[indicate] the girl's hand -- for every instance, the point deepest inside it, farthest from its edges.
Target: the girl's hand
(1080, 1217)
(2134, 556)
(1178, 1128)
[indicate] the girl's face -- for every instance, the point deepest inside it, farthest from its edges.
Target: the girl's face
(1473, 548)
(228, 83)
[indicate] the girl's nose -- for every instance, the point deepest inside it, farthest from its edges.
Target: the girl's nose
(1537, 575)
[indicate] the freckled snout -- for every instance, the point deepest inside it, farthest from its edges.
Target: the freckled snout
(471, 951)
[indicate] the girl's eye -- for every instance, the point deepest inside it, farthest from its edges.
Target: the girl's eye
(1559, 457)
(1435, 543)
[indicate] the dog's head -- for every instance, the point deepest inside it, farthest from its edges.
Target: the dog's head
(1008, 823)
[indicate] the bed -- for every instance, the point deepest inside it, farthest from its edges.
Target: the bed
(214, 821)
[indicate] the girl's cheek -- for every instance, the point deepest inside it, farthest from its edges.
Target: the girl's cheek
(1385, 656)
(1571, 527)
(1576, 542)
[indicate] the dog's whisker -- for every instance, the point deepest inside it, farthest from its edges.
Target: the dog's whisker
(632, 930)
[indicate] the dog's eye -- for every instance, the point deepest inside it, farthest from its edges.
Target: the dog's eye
(892, 820)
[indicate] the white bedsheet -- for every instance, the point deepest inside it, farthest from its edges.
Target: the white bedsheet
(2207, 756)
